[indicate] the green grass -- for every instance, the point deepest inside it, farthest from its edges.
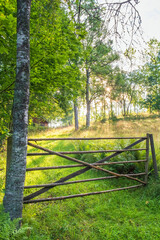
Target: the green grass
(132, 214)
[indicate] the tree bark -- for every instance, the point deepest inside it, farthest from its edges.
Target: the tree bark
(96, 112)
(13, 199)
(104, 108)
(76, 115)
(129, 104)
(111, 108)
(124, 107)
(87, 99)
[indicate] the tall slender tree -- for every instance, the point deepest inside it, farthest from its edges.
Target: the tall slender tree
(13, 199)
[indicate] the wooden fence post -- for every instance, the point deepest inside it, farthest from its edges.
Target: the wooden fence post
(147, 158)
(153, 156)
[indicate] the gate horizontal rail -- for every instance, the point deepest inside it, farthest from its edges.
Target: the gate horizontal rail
(100, 138)
(82, 152)
(81, 195)
(80, 181)
(81, 165)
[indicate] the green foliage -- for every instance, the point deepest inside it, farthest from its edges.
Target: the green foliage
(7, 63)
(9, 229)
(54, 46)
(55, 49)
(113, 117)
(36, 128)
(129, 156)
(4, 133)
(101, 59)
(120, 144)
(151, 76)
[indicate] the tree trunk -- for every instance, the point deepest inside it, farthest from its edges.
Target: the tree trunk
(111, 108)
(96, 112)
(127, 110)
(104, 108)
(13, 199)
(76, 115)
(129, 104)
(117, 110)
(124, 107)
(87, 100)
(150, 109)
(130, 109)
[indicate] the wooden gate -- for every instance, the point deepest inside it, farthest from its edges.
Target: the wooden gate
(87, 166)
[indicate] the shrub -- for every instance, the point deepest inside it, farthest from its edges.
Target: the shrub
(9, 230)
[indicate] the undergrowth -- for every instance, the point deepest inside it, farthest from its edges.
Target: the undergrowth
(9, 229)
(130, 214)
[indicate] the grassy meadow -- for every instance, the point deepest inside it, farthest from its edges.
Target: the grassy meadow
(130, 214)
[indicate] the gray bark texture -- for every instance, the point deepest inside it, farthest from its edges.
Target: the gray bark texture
(13, 199)
(76, 115)
(87, 99)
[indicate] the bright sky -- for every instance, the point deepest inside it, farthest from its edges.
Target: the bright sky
(149, 11)
(150, 14)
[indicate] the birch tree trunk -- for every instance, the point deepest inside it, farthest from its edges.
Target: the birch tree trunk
(104, 108)
(87, 99)
(124, 107)
(76, 115)
(13, 199)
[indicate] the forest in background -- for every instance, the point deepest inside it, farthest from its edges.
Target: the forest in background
(75, 69)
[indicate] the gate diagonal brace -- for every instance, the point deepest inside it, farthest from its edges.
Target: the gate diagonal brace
(89, 166)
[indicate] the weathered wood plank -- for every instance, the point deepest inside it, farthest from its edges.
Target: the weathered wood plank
(81, 165)
(81, 195)
(147, 158)
(98, 138)
(154, 156)
(78, 181)
(86, 152)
